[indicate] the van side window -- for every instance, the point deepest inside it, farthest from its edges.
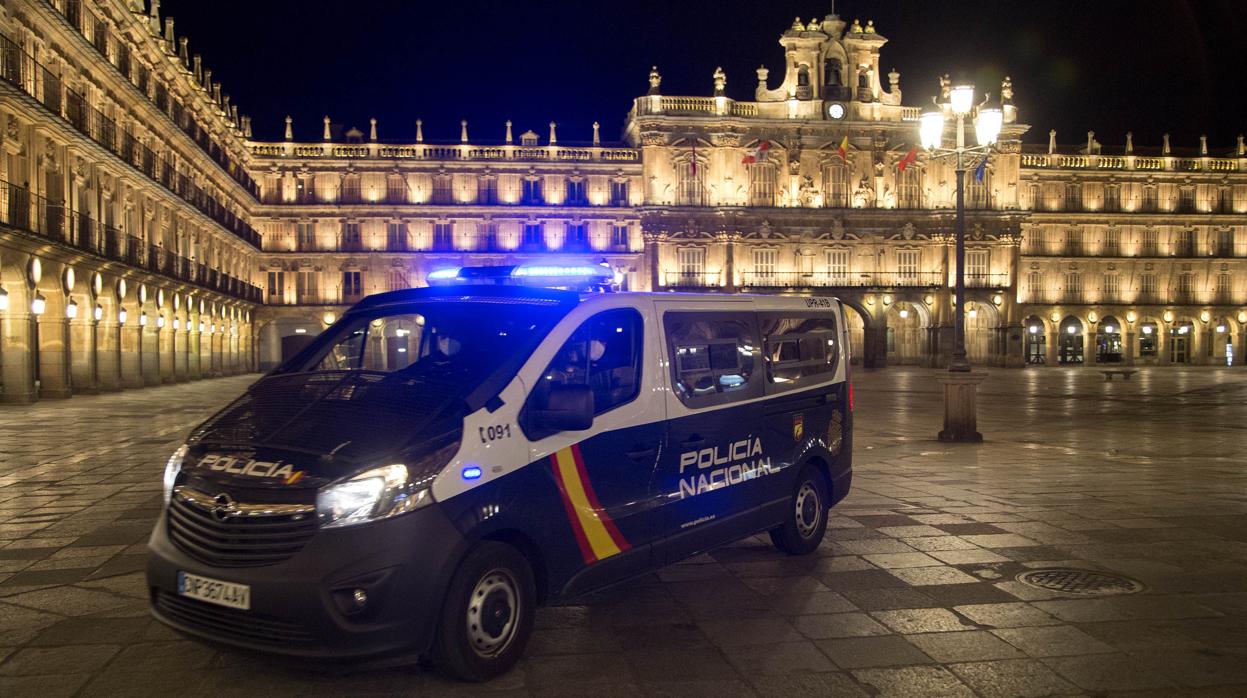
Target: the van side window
(799, 349)
(714, 356)
(604, 353)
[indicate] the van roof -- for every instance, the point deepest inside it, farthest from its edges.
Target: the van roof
(560, 296)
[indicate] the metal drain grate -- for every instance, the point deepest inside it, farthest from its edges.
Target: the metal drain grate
(1083, 582)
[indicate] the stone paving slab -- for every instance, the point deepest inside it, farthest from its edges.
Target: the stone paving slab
(913, 593)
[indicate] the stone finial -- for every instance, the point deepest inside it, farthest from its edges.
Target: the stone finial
(1090, 142)
(225, 103)
(1242, 150)
(870, 26)
(372, 129)
(1006, 90)
(198, 70)
(509, 138)
(246, 126)
(763, 72)
(233, 114)
(327, 136)
(796, 24)
(894, 80)
(720, 81)
(289, 128)
(169, 33)
(216, 92)
(1203, 145)
(655, 80)
(184, 52)
(463, 130)
(946, 89)
(1129, 142)
(1052, 141)
(419, 130)
(207, 81)
(597, 139)
(856, 28)
(553, 137)
(1165, 147)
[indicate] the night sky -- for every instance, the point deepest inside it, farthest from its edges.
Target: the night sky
(1106, 65)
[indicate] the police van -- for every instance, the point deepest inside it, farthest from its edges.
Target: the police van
(443, 460)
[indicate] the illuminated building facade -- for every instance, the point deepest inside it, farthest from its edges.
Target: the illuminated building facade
(133, 189)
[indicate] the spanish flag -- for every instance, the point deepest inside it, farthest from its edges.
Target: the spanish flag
(596, 534)
(908, 160)
(844, 149)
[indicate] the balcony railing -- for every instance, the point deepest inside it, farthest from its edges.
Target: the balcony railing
(80, 19)
(987, 280)
(21, 71)
(825, 279)
(54, 221)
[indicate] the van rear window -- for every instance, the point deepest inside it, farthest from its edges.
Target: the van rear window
(799, 349)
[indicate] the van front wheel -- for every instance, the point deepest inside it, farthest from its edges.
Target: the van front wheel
(806, 518)
(488, 614)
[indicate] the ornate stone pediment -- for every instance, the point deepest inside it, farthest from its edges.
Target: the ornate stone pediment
(653, 138)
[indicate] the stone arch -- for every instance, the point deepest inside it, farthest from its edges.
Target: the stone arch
(280, 337)
(867, 335)
(1109, 347)
(1183, 341)
(982, 337)
(1226, 337)
(1035, 331)
(17, 381)
(50, 329)
(1150, 330)
(1070, 341)
(907, 324)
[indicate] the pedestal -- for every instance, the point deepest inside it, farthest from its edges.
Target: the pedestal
(961, 405)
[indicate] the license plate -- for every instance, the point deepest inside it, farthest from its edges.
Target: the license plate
(215, 591)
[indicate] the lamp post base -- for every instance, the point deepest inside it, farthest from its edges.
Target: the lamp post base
(961, 405)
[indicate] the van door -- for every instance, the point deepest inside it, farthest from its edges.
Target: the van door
(602, 474)
(709, 476)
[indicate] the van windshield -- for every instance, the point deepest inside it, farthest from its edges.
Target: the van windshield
(461, 341)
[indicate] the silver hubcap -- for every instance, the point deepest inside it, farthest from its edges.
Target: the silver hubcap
(493, 612)
(809, 510)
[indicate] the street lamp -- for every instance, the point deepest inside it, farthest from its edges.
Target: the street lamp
(960, 421)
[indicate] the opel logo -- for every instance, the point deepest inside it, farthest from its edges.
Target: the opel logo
(223, 507)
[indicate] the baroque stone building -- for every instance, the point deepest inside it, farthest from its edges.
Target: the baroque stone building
(145, 236)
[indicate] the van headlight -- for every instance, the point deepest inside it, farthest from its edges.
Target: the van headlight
(370, 496)
(172, 467)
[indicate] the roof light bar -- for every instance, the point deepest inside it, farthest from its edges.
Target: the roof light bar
(444, 274)
(552, 271)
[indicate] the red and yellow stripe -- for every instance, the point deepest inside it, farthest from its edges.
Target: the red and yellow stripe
(596, 534)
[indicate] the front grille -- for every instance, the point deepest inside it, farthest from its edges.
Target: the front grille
(236, 541)
(229, 623)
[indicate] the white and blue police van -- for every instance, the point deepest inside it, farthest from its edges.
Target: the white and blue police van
(443, 460)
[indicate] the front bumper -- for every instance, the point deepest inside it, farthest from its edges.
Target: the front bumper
(304, 607)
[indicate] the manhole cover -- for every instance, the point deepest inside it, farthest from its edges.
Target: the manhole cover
(1084, 582)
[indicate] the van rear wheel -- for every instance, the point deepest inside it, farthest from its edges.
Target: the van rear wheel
(488, 614)
(806, 520)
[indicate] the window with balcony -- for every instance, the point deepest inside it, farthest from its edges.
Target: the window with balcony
(1112, 288)
(351, 190)
(1186, 288)
(396, 279)
(1034, 287)
(619, 192)
(352, 239)
(1147, 289)
(620, 236)
(762, 178)
(396, 189)
(1223, 291)
(1112, 197)
(1073, 242)
(836, 185)
(907, 266)
(1073, 196)
(691, 185)
(443, 236)
(1149, 242)
(1225, 243)
(576, 192)
(352, 286)
(1184, 243)
(909, 188)
(764, 266)
(577, 236)
(531, 194)
(1151, 198)
(1226, 203)
(838, 267)
(1186, 200)
(487, 235)
(305, 236)
(276, 286)
(533, 237)
(978, 193)
(487, 190)
(977, 269)
(1112, 242)
(307, 286)
(443, 190)
(691, 263)
(396, 237)
(1073, 288)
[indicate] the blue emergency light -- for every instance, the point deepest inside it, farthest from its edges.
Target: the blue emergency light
(570, 276)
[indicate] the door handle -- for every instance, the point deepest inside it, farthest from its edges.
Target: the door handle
(641, 454)
(693, 441)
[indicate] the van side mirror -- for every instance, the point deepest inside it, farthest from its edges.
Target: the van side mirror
(566, 408)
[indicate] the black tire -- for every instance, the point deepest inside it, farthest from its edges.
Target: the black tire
(488, 614)
(806, 521)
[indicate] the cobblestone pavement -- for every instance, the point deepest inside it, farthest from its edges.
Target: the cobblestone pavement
(914, 592)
